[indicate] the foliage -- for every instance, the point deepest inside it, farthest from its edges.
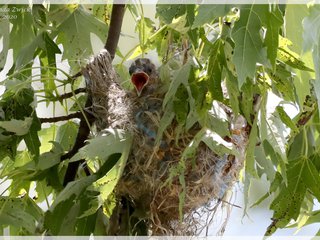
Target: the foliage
(242, 56)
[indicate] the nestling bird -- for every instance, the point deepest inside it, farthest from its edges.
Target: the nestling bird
(144, 76)
(145, 107)
(148, 98)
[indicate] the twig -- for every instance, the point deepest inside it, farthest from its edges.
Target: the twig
(61, 118)
(78, 74)
(71, 94)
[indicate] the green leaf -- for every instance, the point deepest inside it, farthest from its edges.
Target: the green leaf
(70, 202)
(248, 43)
(229, 53)
(22, 159)
(165, 121)
(79, 23)
(137, 51)
(145, 27)
(298, 146)
(282, 79)
(302, 175)
(216, 121)
(109, 174)
(295, 14)
(68, 225)
(311, 177)
(208, 13)
(56, 219)
(41, 41)
(18, 127)
(85, 226)
(62, 215)
(181, 104)
(182, 196)
(246, 103)
(272, 130)
(101, 147)
(292, 59)
(314, 217)
(217, 144)
(233, 91)
(275, 160)
(193, 34)
(43, 191)
(286, 119)
(98, 200)
(200, 98)
(47, 135)
(2, 114)
(190, 151)
(50, 159)
(215, 70)
(273, 20)
(180, 77)
(58, 13)
(102, 11)
(49, 49)
(168, 12)
(286, 205)
(19, 212)
(32, 139)
(81, 100)
(311, 37)
(179, 24)
(19, 29)
(273, 187)
(72, 190)
(18, 94)
(4, 34)
(18, 187)
(66, 135)
(39, 13)
(250, 156)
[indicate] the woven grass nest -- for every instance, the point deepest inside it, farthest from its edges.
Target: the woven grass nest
(152, 178)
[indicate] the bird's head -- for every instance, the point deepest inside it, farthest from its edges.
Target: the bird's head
(143, 73)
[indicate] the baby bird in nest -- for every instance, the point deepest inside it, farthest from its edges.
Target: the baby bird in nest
(146, 100)
(144, 77)
(148, 96)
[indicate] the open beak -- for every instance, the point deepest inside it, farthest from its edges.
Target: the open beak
(140, 80)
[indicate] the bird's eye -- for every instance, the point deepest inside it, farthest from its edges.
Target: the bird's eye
(148, 70)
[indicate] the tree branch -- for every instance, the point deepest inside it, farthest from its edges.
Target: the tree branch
(71, 94)
(84, 130)
(61, 118)
(78, 74)
(115, 29)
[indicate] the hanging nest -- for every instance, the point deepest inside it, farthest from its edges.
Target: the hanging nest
(173, 190)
